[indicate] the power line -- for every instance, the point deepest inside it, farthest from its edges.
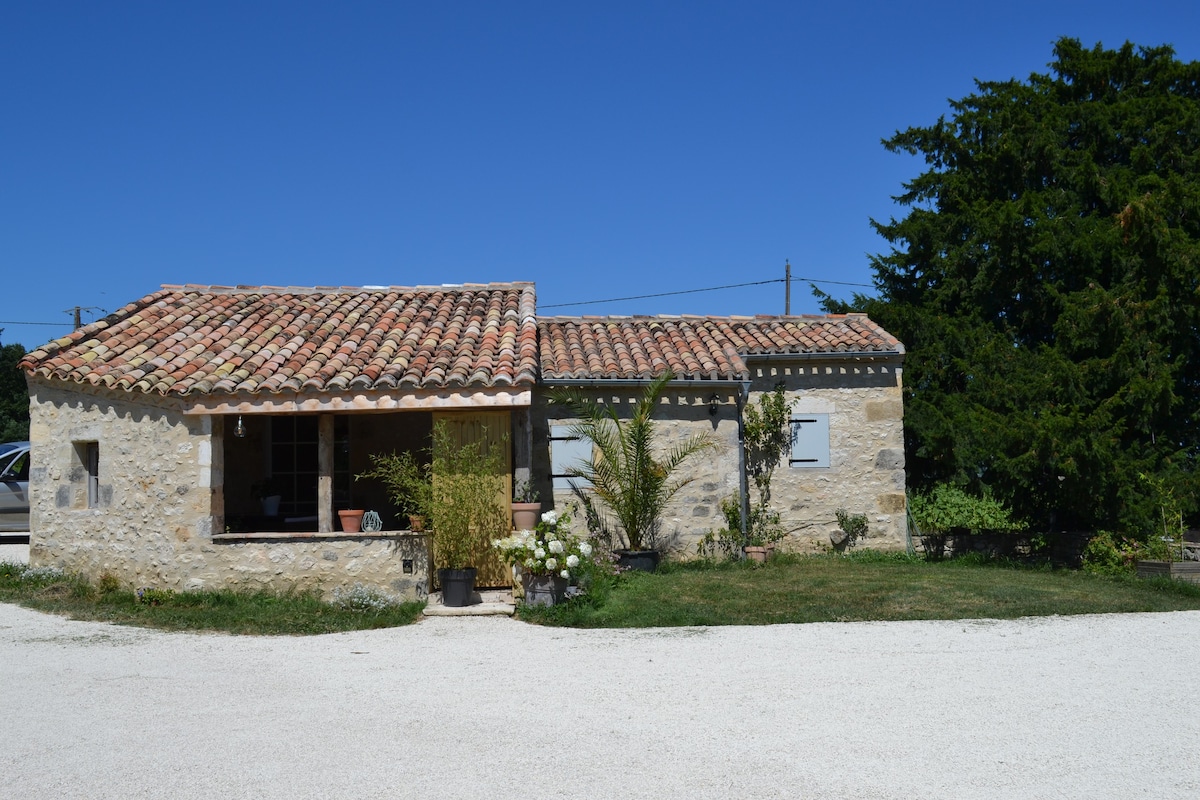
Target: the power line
(54, 324)
(695, 291)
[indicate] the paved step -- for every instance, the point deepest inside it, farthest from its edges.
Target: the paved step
(489, 603)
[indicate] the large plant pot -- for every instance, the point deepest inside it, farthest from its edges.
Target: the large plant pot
(351, 519)
(1176, 570)
(758, 554)
(458, 586)
(544, 590)
(525, 515)
(639, 560)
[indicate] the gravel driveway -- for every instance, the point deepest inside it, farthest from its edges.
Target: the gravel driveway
(1087, 707)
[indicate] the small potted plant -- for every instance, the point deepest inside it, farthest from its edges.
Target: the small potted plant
(408, 482)
(525, 506)
(547, 556)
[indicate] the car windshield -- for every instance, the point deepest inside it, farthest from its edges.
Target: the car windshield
(15, 462)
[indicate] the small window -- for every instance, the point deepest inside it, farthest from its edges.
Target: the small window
(567, 451)
(92, 463)
(810, 440)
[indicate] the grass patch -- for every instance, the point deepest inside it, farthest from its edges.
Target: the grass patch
(225, 610)
(863, 586)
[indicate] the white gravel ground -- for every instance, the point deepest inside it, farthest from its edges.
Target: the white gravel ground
(1074, 707)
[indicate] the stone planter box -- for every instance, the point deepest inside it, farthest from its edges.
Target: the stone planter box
(1176, 570)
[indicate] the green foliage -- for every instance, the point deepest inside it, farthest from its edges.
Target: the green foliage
(257, 613)
(108, 583)
(627, 473)
(947, 507)
(1170, 516)
(407, 478)
(14, 396)
(363, 598)
(1044, 281)
(762, 529)
(525, 493)
(766, 438)
(865, 585)
(1106, 554)
(853, 525)
(155, 597)
(468, 506)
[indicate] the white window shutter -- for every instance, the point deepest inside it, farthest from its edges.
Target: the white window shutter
(567, 451)
(810, 440)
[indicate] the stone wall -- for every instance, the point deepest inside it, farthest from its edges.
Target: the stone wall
(157, 516)
(866, 448)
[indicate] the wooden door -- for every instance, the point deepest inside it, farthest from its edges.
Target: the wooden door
(470, 428)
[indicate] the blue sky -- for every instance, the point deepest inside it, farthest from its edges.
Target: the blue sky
(603, 150)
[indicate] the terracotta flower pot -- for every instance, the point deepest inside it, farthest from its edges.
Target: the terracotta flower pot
(759, 554)
(525, 515)
(351, 519)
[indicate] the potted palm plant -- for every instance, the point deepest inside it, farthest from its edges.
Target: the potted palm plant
(626, 471)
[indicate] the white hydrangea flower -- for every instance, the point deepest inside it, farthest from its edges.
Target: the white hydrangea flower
(572, 561)
(530, 563)
(585, 549)
(550, 517)
(566, 574)
(539, 553)
(551, 564)
(555, 546)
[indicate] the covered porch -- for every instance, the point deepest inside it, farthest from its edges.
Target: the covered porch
(282, 468)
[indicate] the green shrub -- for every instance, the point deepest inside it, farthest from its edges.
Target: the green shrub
(150, 596)
(363, 598)
(1106, 554)
(947, 507)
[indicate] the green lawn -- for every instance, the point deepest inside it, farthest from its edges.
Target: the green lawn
(866, 586)
(262, 613)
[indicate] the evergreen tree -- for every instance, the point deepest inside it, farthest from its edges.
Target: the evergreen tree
(14, 396)
(1046, 282)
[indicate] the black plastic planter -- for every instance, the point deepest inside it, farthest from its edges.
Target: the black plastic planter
(641, 560)
(457, 586)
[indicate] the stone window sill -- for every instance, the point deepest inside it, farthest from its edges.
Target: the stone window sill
(312, 535)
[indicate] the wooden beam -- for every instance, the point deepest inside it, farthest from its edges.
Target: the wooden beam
(325, 473)
(347, 402)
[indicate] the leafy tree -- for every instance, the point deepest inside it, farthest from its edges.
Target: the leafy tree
(1046, 282)
(14, 395)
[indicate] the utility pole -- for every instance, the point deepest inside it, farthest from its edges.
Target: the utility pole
(787, 281)
(76, 314)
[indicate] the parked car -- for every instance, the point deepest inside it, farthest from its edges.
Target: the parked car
(14, 487)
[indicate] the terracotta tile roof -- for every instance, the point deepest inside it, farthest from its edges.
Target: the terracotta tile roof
(698, 348)
(199, 339)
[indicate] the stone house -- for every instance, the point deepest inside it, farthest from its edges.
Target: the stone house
(162, 432)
